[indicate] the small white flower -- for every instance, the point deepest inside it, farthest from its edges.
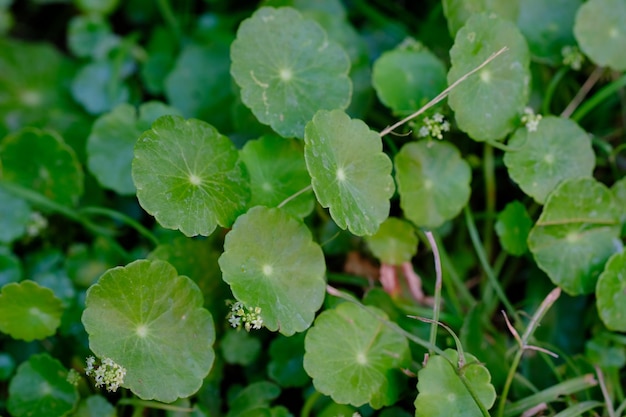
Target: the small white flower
(109, 374)
(530, 119)
(240, 315)
(434, 127)
(572, 57)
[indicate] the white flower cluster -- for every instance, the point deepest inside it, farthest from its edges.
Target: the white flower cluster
(36, 224)
(108, 374)
(434, 127)
(530, 119)
(572, 57)
(240, 315)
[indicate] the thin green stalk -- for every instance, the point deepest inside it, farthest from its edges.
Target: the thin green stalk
(45, 203)
(488, 300)
(551, 394)
(608, 401)
(124, 219)
(309, 403)
(598, 98)
(295, 195)
(523, 345)
(490, 199)
(459, 287)
(554, 82)
(170, 19)
(482, 257)
(438, 284)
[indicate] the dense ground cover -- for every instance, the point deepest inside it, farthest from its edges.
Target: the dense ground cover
(313, 208)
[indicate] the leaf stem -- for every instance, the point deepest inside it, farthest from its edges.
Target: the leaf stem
(45, 203)
(554, 82)
(490, 199)
(443, 94)
(523, 342)
(309, 403)
(580, 96)
(482, 257)
(293, 196)
(124, 219)
(599, 97)
(168, 16)
(605, 393)
(438, 284)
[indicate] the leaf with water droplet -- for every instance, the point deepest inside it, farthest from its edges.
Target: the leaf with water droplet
(146, 318)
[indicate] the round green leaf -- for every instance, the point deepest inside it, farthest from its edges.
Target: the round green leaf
(150, 321)
(99, 88)
(10, 267)
(285, 366)
(41, 161)
(407, 77)
(29, 311)
(278, 171)
(253, 400)
(33, 81)
(189, 176)
(601, 32)
(198, 84)
(548, 26)
(196, 259)
(487, 105)
(40, 389)
(394, 243)
(86, 33)
(112, 139)
(578, 230)
(619, 191)
(97, 7)
(270, 261)
(240, 347)
(350, 173)
(611, 293)
(15, 214)
(559, 149)
(353, 357)
(442, 393)
(433, 182)
(95, 406)
(458, 11)
(512, 227)
(287, 69)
